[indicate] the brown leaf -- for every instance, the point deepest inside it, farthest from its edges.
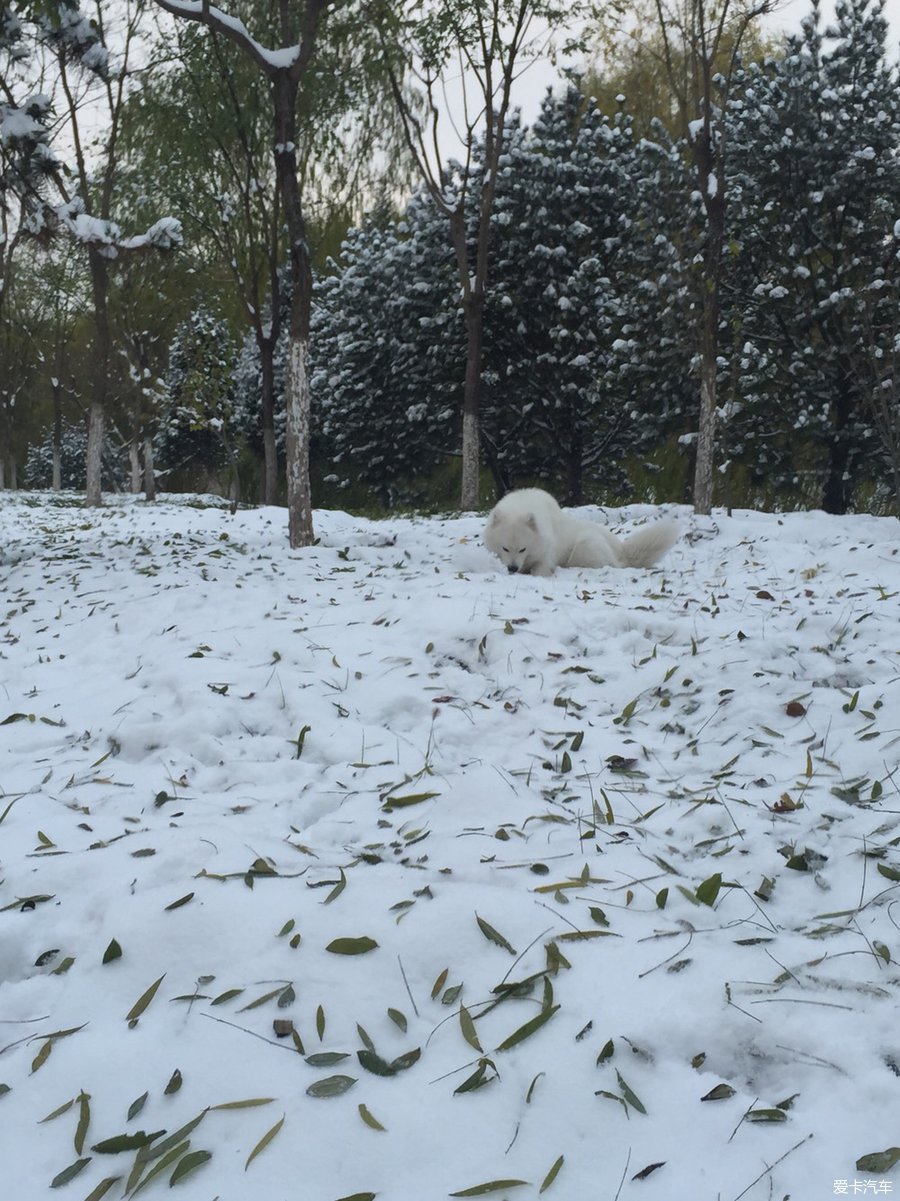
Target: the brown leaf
(795, 709)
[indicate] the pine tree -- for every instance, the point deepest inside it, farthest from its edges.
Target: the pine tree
(386, 344)
(817, 198)
(197, 430)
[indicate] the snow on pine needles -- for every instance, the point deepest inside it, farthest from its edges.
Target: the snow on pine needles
(369, 870)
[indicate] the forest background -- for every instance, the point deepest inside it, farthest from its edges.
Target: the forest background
(703, 218)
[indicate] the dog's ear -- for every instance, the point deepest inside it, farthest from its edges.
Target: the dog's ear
(532, 522)
(492, 520)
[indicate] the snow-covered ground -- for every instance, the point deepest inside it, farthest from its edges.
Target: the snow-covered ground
(617, 854)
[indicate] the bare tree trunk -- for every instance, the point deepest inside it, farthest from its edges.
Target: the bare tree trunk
(56, 483)
(297, 400)
(149, 474)
(837, 489)
(93, 497)
(471, 442)
(102, 342)
(711, 177)
(270, 456)
(706, 437)
(285, 77)
(134, 462)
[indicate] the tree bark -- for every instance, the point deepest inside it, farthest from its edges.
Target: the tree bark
(270, 455)
(93, 497)
(299, 26)
(149, 473)
(56, 483)
(837, 488)
(471, 442)
(102, 343)
(134, 463)
(297, 399)
(706, 436)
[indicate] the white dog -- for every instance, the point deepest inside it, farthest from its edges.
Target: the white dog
(529, 533)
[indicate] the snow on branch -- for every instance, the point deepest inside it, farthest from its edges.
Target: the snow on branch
(269, 60)
(164, 234)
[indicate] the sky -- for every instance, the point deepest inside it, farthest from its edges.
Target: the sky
(787, 17)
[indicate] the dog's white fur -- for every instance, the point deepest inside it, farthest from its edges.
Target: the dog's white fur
(529, 533)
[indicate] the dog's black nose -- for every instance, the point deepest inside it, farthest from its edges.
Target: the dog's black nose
(512, 569)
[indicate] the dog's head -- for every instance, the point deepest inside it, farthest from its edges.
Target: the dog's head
(514, 540)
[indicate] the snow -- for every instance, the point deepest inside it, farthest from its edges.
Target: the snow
(278, 59)
(222, 756)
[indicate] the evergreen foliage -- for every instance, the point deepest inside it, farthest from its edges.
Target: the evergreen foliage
(197, 427)
(73, 447)
(813, 296)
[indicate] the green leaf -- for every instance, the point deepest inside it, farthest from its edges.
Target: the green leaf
(352, 946)
(190, 1163)
(889, 873)
(264, 1142)
(84, 1120)
(226, 996)
(468, 1029)
(136, 1106)
(301, 738)
(721, 1092)
(174, 1084)
(879, 1161)
(629, 1096)
(274, 992)
(371, 1121)
(607, 1052)
(338, 888)
(493, 935)
(159, 1166)
(250, 1103)
(551, 1175)
(96, 1194)
(326, 1059)
(331, 1086)
(58, 1112)
(766, 1115)
(126, 1142)
(398, 1019)
(113, 951)
(181, 901)
(42, 1056)
(143, 1000)
(403, 1062)
(709, 889)
(155, 1150)
(528, 1029)
(490, 1186)
(375, 1064)
(403, 802)
(478, 1078)
(69, 1173)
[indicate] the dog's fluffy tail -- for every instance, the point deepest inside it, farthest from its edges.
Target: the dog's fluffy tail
(649, 544)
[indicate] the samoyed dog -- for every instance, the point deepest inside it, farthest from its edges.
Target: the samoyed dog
(529, 533)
